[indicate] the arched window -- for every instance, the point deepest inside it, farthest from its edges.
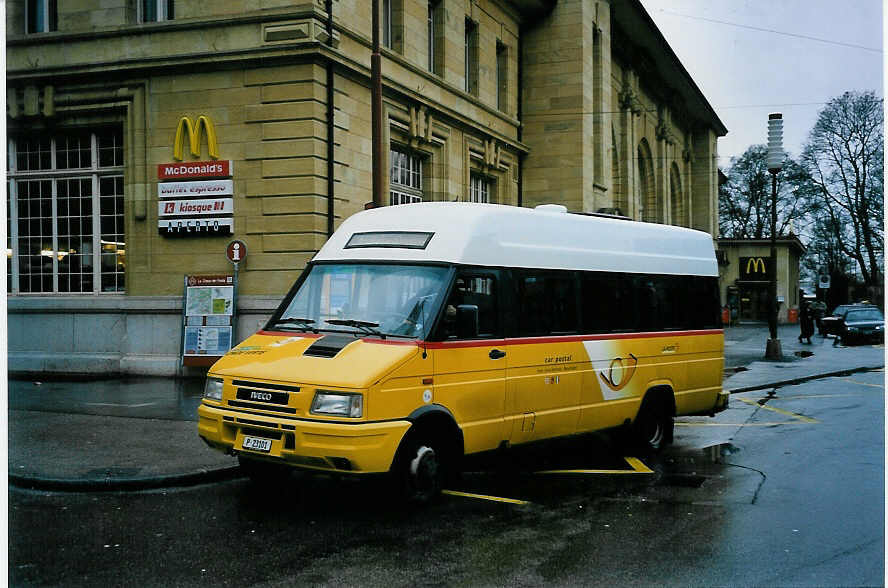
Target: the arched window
(676, 195)
(618, 186)
(651, 209)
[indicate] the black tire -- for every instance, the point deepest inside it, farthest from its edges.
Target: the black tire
(420, 468)
(653, 427)
(264, 473)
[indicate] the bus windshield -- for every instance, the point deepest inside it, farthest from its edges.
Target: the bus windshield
(375, 299)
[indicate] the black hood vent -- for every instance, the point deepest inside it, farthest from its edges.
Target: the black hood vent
(328, 345)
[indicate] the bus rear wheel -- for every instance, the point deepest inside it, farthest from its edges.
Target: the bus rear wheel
(652, 429)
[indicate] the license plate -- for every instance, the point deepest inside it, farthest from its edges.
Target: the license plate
(257, 444)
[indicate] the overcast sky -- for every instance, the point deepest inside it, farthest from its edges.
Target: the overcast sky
(810, 51)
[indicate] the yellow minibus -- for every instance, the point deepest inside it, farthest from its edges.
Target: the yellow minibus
(422, 333)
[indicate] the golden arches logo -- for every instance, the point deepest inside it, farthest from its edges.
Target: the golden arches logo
(193, 130)
(620, 372)
(755, 265)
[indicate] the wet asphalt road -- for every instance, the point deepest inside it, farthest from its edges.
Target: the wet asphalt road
(795, 498)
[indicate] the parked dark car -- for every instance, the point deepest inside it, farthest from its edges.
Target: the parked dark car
(832, 325)
(862, 323)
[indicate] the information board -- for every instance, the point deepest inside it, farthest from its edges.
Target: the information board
(208, 318)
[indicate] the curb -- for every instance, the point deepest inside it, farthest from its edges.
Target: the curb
(801, 379)
(127, 484)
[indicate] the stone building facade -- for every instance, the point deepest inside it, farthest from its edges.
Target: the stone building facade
(518, 102)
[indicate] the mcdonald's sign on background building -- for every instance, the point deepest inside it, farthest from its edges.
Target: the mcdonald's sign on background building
(745, 276)
(755, 268)
(234, 119)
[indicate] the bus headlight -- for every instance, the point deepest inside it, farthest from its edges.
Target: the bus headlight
(338, 403)
(213, 388)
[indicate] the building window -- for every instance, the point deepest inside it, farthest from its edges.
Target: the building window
(65, 209)
(436, 37)
(471, 57)
(479, 189)
(406, 178)
(502, 77)
(157, 10)
(41, 16)
(392, 23)
(387, 23)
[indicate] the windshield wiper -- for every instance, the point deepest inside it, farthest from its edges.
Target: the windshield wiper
(368, 326)
(302, 322)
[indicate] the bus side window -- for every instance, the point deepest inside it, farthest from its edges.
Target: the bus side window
(479, 291)
(608, 304)
(546, 302)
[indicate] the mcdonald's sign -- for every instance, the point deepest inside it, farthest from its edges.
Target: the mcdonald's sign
(754, 268)
(194, 132)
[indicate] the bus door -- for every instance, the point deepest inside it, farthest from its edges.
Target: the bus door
(546, 359)
(470, 360)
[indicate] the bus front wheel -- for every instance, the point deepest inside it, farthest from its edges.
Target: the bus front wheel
(419, 469)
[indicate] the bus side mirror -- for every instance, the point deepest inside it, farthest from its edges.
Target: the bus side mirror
(467, 321)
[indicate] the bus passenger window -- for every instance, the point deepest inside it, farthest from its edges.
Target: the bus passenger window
(608, 303)
(547, 303)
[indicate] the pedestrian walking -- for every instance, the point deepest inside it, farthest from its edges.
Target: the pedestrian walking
(806, 320)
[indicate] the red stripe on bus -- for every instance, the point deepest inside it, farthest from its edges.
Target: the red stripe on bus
(513, 341)
(568, 339)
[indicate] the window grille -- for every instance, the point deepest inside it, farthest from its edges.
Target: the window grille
(65, 213)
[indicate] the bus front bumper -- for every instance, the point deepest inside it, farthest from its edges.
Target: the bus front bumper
(331, 446)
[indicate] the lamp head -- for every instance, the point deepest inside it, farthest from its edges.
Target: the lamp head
(775, 142)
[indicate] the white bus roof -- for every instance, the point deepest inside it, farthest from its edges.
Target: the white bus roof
(509, 236)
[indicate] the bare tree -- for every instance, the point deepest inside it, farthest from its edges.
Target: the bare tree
(843, 158)
(744, 201)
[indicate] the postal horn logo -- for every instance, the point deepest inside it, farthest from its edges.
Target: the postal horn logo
(619, 372)
(195, 131)
(755, 265)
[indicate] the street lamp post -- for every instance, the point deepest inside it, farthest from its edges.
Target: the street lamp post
(775, 163)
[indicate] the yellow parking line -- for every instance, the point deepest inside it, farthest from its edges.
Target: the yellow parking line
(802, 418)
(636, 464)
(863, 383)
(484, 497)
(728, 424)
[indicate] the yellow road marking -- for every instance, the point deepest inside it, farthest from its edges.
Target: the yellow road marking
(484, 497)
(815, 396)
(636, 464)
(729, 424)
(862, 383)
(802, 418)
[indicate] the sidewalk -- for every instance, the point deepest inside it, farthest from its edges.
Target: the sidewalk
(746, 369)
(141, 433)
